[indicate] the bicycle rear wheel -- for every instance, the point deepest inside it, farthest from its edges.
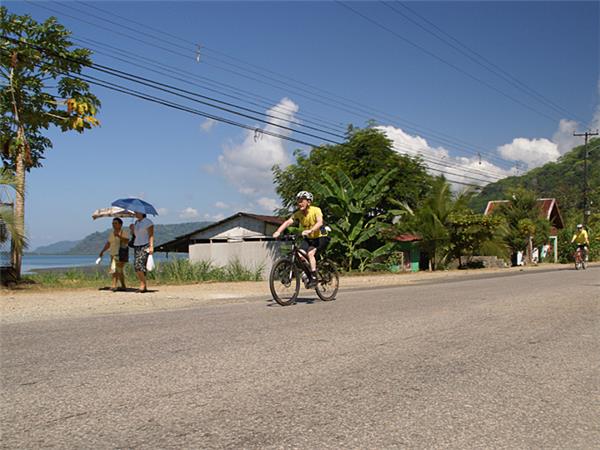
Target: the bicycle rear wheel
(284, 282)
(328, 281)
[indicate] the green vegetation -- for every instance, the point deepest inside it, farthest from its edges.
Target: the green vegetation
(562, 180)
(354, 217)
(448, 227)
(178, 271)
(39, 89)
(366, 153)
(8, 223)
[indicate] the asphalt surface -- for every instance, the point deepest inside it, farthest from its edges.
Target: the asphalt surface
(502, 362)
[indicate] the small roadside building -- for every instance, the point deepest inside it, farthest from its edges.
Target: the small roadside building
(412, 258)
(242, 237)
(548, 209)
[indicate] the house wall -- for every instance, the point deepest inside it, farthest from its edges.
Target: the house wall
(251, 254)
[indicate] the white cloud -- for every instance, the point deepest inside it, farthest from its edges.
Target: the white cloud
(163, 211)
(247, 165)
(207, 125)
(563, 136)
(268, 204)
(221, 205)
(189, 213)
(533, 152)
(462, 169)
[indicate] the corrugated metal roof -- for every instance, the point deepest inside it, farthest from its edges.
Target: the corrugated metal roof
(181, 241)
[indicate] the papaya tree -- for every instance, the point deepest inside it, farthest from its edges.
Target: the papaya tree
(40, 88)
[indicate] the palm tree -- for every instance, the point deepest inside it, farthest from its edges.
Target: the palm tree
(432, 220)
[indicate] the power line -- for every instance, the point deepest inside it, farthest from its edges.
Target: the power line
(434, 135)
(170, 70)
(477, 58)
(176, 91)
(444, 61)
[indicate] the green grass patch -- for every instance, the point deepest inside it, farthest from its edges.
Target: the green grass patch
(177, 271)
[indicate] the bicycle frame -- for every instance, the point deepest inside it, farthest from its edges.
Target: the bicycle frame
(298, 258)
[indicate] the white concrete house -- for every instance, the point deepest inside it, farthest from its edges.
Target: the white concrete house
(244, 237)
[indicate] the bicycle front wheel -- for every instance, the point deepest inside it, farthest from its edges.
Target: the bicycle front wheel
(328, 281)
(284, 282)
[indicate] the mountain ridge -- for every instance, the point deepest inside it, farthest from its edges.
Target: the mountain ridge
(93, 242)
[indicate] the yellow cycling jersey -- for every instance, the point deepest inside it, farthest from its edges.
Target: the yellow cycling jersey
(309, 220)
(580, 237)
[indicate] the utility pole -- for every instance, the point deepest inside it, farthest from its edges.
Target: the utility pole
(587, 134)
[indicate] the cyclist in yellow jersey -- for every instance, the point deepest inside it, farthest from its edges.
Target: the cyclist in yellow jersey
(582, 240)
(311, 220)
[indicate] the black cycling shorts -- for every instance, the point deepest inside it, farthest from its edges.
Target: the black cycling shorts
(319, 243)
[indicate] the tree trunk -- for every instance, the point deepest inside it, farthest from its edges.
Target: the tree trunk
(20, 200)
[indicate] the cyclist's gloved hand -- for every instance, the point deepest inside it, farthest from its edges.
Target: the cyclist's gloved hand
(305, 233)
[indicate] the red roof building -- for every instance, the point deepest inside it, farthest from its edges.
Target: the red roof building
(548, 208)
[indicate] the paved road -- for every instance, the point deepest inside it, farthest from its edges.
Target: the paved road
(503, 362)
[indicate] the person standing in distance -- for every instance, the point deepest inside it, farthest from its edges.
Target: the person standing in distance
(143, 245)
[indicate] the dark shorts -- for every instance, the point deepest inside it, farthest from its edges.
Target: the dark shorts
(320, 243)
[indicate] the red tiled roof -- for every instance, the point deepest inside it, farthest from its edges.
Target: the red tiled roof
(548, 207)
(407, 237)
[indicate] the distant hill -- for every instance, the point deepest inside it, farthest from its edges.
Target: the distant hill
(562, 180)
(56, 248)
(93, 243)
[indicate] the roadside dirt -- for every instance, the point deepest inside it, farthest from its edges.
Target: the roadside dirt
(24, 306)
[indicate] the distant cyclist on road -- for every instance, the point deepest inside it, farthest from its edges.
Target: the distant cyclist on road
(582, 240)
(311, 220)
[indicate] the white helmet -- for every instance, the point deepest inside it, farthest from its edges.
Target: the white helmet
(579, 226)
(304, 194)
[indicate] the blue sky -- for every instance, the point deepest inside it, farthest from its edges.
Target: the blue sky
(320, 64)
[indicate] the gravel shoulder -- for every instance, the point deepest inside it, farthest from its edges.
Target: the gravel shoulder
(25, 305)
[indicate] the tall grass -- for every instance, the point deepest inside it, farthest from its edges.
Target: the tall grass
(177, 271)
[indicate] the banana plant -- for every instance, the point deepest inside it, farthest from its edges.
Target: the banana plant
(353, 215)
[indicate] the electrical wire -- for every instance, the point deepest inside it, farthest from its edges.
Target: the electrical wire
(435, 137)
(444, 61)
(478, 58)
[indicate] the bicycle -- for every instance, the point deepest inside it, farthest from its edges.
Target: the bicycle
(288, 271)
(579, 257)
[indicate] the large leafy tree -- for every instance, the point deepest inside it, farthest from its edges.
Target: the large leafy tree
(472, 233)
(40, 88)
(365, 153)
(353, 216)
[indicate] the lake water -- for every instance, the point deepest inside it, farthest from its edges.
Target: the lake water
(32, 262)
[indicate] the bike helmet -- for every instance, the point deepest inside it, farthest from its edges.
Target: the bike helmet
(579, 226)
(304, 194)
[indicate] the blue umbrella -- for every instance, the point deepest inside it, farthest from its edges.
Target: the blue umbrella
(136, 205)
